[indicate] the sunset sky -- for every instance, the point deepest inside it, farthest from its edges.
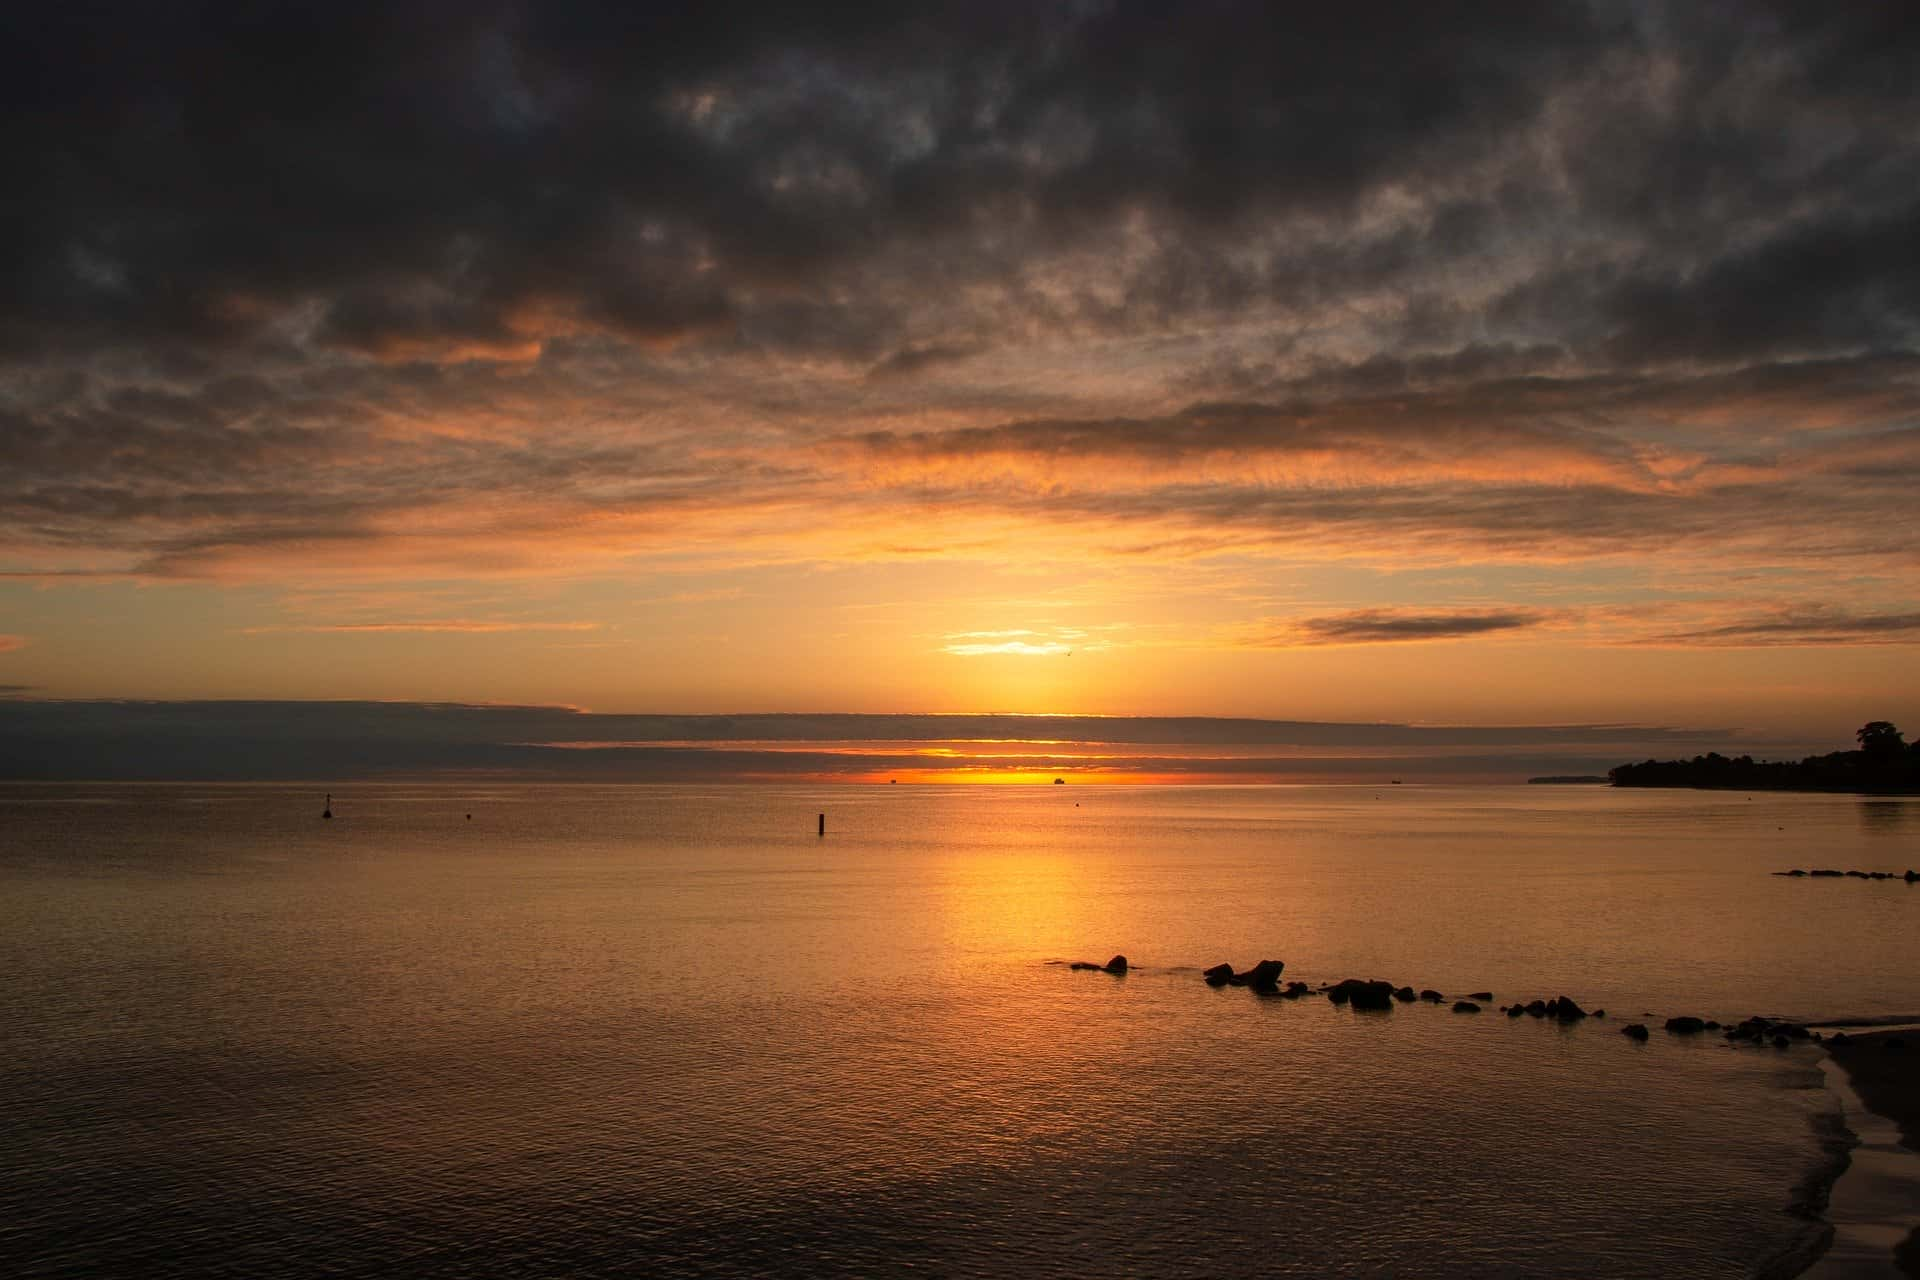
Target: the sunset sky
(1490, 365)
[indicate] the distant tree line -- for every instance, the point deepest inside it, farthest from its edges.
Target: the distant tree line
(1884, 762)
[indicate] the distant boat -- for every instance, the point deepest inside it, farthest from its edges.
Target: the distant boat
(1059, 782)
(327, 812)
(1396, 782)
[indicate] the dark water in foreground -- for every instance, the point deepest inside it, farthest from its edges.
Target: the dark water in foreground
(619, 1031)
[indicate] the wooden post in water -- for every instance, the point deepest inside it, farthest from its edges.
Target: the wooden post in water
(823, 824)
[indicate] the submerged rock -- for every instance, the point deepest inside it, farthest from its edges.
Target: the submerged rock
(1514, 1011)
(1360, 994)
(1686, 1026)
(1404, 995)
(1117, 965)
(1565, 1009)
(1297, 989)
(1264, 976)
(1465, 1006)
(1431, 996)
(1479, 995)
(1634, 1031)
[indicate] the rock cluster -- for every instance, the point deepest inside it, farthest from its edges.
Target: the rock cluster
(1562, 1008)
(1379, 994)
(1362, 994)
(1264, 976)
(1910, 877)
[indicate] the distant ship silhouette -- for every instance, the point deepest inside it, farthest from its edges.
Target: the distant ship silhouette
(327, 812)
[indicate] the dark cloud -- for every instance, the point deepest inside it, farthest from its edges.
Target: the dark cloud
(1805, 626)
(427, 178)
(1391, 626)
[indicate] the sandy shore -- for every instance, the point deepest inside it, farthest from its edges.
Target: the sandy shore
(1887, 1082)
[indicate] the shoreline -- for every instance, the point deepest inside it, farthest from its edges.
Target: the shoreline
(1872, 1204)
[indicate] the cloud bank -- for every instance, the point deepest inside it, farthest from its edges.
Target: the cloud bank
(391, 292)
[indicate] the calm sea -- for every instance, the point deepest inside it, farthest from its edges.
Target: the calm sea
(598, 1031)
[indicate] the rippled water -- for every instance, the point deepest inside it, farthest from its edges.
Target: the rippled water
(613, 1031)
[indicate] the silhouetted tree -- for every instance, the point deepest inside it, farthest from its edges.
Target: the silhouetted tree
(1880, 740)
(1884, 763)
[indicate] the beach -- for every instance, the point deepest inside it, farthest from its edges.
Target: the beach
(1882, 1070)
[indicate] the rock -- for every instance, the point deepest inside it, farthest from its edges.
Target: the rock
(1857, 875)
(1117, 965)
(1685, 1026)
(1362, 995)
(1712, 1025)
(1824, 873)
(1892, 1043)
(1634, 1031)
(1599, 1013)
(1088, 965)
(1296, 989)
(1911, 876)
(1538, 1008)
(1479, 995)
(1839, 1037)
(1565, 1009)
(1264, 976)
(1514, 1011)
(1404, 995)
(1431, 996)
(1465, 1006)
(1781, 1042)
(1795, 872)
(1880, 875)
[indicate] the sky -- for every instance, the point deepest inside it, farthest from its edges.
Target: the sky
(1531, 364)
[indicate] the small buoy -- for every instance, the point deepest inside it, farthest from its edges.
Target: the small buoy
(823, 824)
(469, 817)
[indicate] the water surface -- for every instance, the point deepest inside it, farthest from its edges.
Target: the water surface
(609, 1030)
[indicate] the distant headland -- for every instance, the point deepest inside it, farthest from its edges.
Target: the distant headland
(1884, 764)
